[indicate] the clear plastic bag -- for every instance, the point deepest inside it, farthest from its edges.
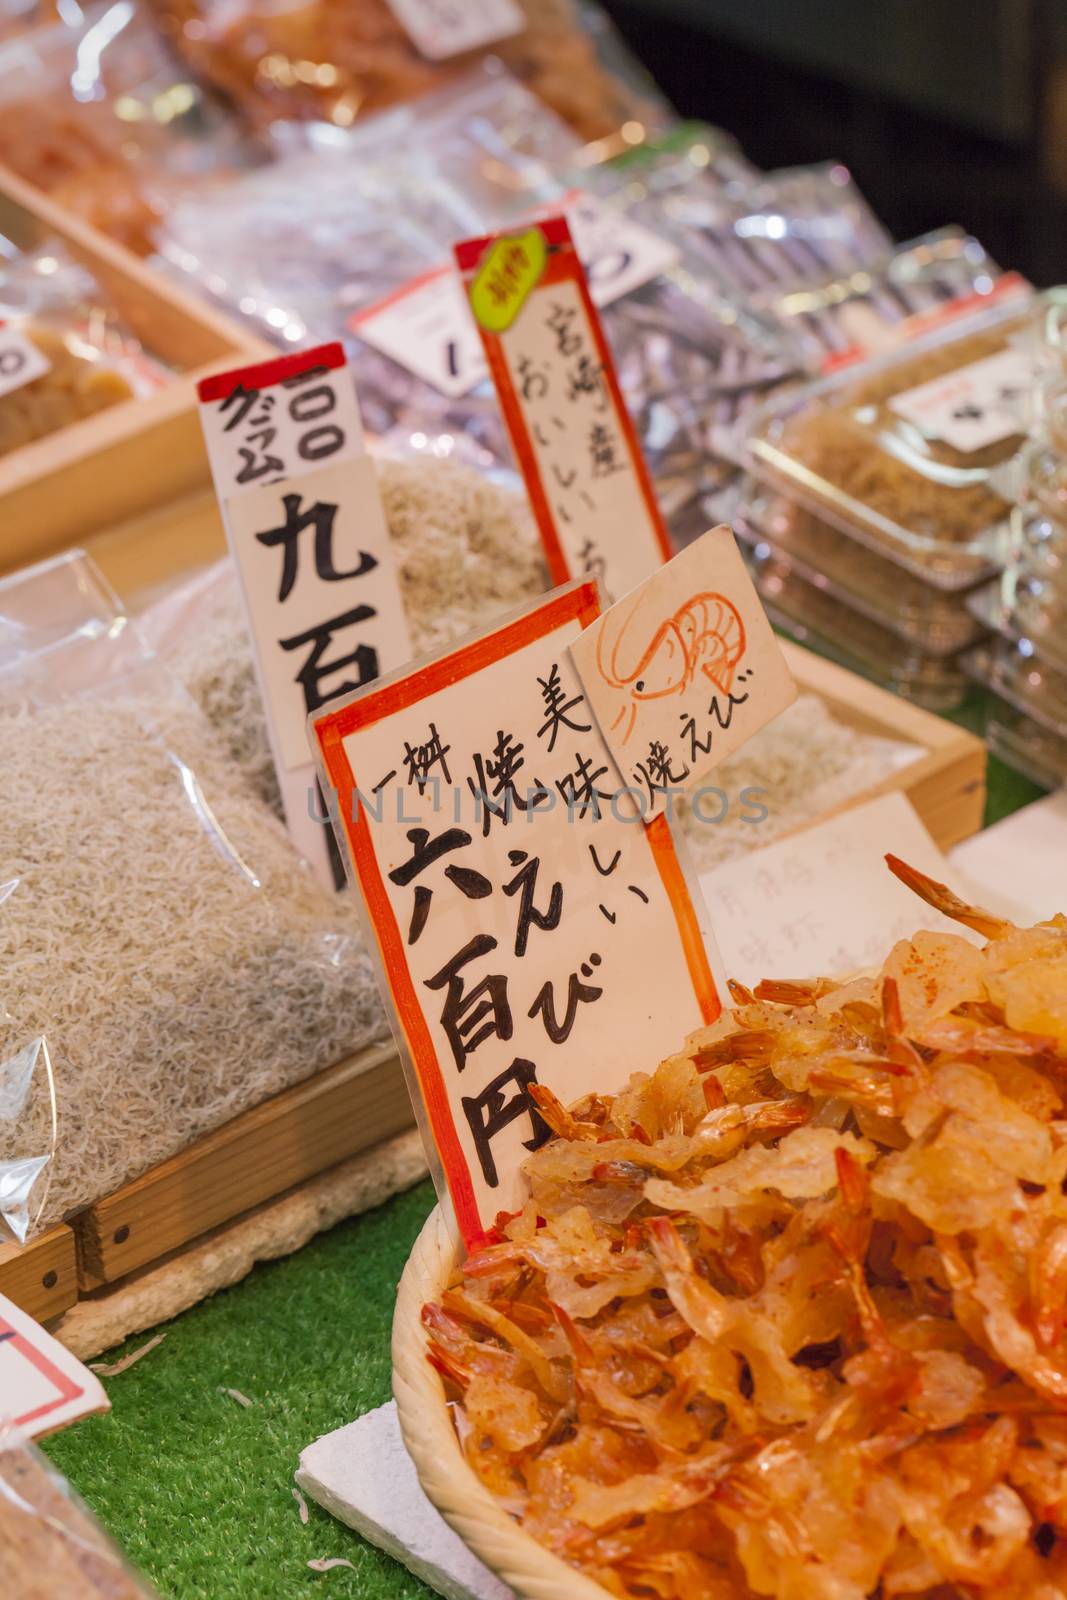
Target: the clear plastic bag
(53, 1549)
(91, 360)
(102, 118)
(332, 61)
(157, 930)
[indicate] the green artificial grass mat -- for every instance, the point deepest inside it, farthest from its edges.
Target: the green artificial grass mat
(195, 1487)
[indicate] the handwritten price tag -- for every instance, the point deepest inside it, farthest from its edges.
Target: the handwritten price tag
(443, 28)
(515, 900)
(305, 524)
(975, 406)
(683, 670)
(587, 481)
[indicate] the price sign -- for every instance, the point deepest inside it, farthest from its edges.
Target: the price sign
(305, 524)
(531, 930)
(443, 28)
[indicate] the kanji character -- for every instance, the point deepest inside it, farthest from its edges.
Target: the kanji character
(657, 770)
(314, 670)
(560, 321)
(425, 851)
(524, 883)
(604, 451)
(587, 377)
(558, 707)
(422, 758)
(579, 789)
(470, 1017)
(490, 1112)
(321, 517)
(578, 993)
(495, 792)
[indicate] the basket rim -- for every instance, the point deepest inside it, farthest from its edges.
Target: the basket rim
(431, 1440)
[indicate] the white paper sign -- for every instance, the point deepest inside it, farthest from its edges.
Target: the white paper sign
(1018, 867)
(279, 419)
(683, 669)
(443, 28)
(42, 1386)
(304, 520)
(427, 325)
(530, 928)
(20, 360)
(427, 328)
(823, 902)
(974, 406)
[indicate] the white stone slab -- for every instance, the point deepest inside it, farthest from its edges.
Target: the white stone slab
(363, 1476)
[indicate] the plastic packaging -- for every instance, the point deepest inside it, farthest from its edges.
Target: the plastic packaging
(181, 962)
(1025, 744)
(909, 463)
(1026, 604)
(53, 1549)
(63, 323)
(332, 61)
(1019, 673)
(814, 617)
(1026, 708)
(936, 623)
(101, 117)
(874, 306)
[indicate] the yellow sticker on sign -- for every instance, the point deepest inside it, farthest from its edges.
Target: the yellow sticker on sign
(508, 271)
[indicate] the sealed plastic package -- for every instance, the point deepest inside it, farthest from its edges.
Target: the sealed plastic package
(333, 62)
(99, 115)
(67, 352)
(912, 453)
(52, 1547)
(180, 962)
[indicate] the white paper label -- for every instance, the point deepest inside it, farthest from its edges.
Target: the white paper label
(974, 406)
(516, 898)
(20, 361)
(443, 28)
(321, 586)
(683, 670)
(299, 497)
(427, 327)
(280, 419)
(42, 1386)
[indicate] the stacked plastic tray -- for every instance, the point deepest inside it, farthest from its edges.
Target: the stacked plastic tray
(882, 496)
(1025, 664)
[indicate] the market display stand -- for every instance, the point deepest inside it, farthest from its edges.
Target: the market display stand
(134, 455)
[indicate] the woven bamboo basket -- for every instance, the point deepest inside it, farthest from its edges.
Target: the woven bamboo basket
(431, 1440)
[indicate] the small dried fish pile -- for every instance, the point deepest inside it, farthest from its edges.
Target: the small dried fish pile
(786, 1317)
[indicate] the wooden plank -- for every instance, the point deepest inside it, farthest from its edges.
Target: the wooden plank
(336, 1114)
(946, 785)
(134, 456)
(41, 1277)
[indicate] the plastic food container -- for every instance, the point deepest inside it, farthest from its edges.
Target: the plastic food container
(819, 619)
(1019, 674)
(936, 623)
(909, 453)
(1028, 606)
(1018, 738)
(875, 306)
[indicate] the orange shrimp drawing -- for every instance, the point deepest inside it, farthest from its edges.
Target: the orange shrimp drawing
(649, 659)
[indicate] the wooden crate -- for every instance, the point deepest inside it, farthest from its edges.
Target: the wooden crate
(42, 1278)
(135, 455)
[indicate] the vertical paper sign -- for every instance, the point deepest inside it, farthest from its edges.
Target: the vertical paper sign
(305, 523)
(683, 670)
(530, 928)
(587, 480)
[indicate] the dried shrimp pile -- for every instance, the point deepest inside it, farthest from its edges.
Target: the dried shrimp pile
(786, 1317)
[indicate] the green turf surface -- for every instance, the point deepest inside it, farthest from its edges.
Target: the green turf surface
(197, 1489)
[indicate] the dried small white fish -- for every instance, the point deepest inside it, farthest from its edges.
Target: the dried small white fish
(112, 1369)
(326, 1564)
(301, 1504)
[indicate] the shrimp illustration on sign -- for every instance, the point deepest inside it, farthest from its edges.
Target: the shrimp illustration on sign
(649, 657)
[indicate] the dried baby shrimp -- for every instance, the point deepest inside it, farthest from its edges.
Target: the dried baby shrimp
(786, 1317)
